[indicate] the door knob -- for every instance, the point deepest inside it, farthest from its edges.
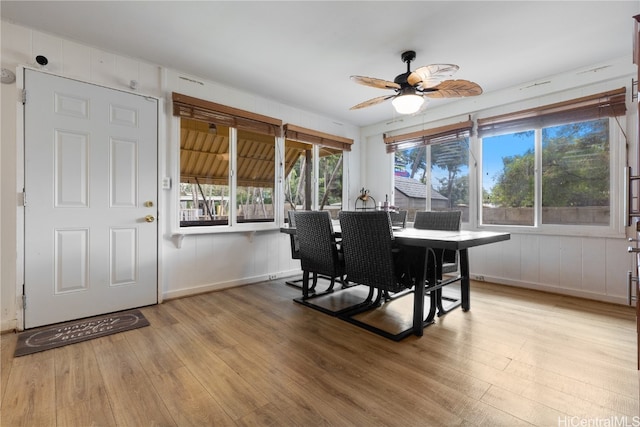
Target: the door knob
(149, 218)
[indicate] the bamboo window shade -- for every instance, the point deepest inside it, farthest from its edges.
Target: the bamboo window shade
(218, 114)
(310, 136)
(204, 155)
(600, 105)
(438, 135)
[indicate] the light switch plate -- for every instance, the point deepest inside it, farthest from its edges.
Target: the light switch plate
(166, 183)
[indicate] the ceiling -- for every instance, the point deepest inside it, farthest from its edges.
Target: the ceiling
(301, 53)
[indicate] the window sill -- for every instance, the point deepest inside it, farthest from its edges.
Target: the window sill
(603, 232)
(248, 229)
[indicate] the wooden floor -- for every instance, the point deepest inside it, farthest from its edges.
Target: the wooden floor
(251, 356)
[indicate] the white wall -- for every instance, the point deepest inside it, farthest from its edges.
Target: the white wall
(197, 263)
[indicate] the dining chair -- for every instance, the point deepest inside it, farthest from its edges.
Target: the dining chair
(398, 219)
(319, 255)
(295, 247)
(448, 259)
(441, 220)
(372, 258)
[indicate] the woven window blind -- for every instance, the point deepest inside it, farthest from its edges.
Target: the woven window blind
(600, 105)
(439, 135)
(218, 114)
(310, 136)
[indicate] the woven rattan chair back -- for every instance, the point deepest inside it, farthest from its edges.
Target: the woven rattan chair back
(295, 246)
(398, 219)
(318, 251)
(367, 245)
(438, 220)
(446, 221)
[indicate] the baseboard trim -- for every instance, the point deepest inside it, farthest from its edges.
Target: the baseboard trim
(620, 300)
(211, 287)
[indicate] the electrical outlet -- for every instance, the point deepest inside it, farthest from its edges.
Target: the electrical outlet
(479, 278)
(272, 276)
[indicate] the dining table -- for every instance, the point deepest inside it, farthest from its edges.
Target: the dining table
(431, 284)
(460, 241)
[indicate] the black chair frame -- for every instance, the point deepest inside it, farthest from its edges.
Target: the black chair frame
(319, 256)
(448, 259)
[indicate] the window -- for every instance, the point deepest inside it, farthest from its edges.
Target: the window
(204, 174)
(255, 177)
(227, 164)
(551, 165)
(330, 179)
(576, 185)
(314, 169)
(439, 156)
(508, 179)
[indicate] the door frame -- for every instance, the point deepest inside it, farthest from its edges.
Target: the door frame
(20, 183)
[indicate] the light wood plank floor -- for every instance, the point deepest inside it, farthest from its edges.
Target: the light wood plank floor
(251, 356)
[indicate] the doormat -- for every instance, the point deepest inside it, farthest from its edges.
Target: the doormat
(61, 334)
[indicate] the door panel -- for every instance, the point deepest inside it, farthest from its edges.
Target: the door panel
(90, 181)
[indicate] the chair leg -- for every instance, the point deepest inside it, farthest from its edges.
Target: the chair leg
(331, 285)
(305, 284)
(295, 283)
(344, 282)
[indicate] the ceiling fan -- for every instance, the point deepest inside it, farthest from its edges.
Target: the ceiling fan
(411, 88)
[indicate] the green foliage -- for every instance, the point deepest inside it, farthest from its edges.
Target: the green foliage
(515, 186)
(412, 160)
(452, 157)
(575, 169)
(330, 179)
(575, 165)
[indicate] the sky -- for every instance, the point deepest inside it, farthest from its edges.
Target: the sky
(495, 148)
(493, 151)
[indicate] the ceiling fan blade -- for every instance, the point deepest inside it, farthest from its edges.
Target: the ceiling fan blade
(453, 89)
(372, 101)
(373, 82)
(431, 75)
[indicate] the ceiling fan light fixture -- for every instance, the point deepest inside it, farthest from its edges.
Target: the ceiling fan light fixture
(408, 103)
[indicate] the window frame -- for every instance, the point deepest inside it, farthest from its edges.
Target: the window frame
(185, 106)
(233, 225)
(427, 138)
(616, 226)
(318, 140)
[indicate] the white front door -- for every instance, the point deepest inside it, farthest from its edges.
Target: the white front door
(90, 200)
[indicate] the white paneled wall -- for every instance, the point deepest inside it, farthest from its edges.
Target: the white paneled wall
(594, 268)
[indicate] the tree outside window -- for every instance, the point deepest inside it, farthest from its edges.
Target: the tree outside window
(299, 170)
(448, 166)
(575, 175)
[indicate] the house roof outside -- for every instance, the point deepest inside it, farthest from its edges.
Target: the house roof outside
(415, 189)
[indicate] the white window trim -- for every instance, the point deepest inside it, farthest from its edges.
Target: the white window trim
(278, 201)
(233, 226)
(616, 227)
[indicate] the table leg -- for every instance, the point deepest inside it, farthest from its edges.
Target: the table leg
(418, 302)
(419, 320)
(464, 279)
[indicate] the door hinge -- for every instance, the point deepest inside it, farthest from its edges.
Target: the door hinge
(24, 198)
(23, 96)
(24, 302)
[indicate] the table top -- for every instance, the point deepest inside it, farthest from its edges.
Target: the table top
(455, 240)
